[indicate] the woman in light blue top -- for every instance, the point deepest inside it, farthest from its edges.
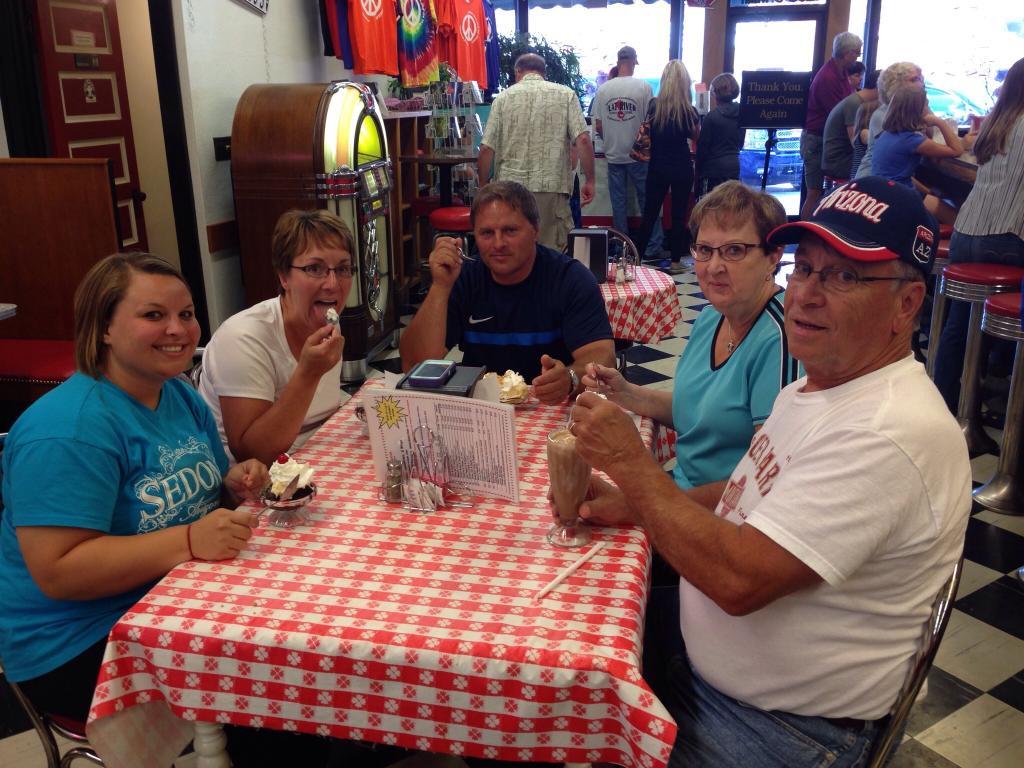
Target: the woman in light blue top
(736, 359)
(728, 376)
(110, 481)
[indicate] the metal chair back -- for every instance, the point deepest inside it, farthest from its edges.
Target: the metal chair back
(885, 743)
(45, 725)
(194, 374)
(46, 728)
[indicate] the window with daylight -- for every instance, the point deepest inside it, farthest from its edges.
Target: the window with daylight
(597, 30)
(596, 34)
(962, 77)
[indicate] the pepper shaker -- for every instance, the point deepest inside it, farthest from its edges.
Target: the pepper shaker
(393, 482)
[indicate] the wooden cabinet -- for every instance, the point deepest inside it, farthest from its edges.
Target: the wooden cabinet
(58, 219)
(406, 132)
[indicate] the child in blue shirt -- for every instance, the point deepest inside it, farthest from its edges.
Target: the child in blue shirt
(901, 145)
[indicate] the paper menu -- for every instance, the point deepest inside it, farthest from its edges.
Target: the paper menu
(479, 436)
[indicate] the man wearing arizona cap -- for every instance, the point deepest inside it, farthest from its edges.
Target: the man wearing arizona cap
(807, 577)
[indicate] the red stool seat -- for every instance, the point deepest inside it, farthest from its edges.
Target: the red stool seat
(424, 204)
(983, 274)
(40, 360)
(453, 219)
(943, 252)
(75, 727)
(1005, 304)
(945, 231)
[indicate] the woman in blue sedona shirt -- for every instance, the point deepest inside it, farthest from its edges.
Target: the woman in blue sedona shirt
(110, 481)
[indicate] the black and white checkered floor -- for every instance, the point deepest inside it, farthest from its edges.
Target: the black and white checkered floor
(972, 715)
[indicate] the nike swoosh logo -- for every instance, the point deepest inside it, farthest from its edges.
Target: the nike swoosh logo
(475, 320)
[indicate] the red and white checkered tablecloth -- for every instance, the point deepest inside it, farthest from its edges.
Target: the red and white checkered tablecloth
(645, 309)
(419, 630)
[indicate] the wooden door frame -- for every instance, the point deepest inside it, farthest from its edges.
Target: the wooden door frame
(816, 13)
(179, 170)
(63, 64)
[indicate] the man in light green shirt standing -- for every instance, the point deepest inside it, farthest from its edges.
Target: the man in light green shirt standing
(528, 137)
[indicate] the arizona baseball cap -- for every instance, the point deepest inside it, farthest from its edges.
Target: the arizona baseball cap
(870, 219)
(627, 52)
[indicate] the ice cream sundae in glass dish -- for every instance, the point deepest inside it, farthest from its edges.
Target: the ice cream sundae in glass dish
(290, 490)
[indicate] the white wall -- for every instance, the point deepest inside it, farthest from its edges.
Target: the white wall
(223, 47)
(147, 128)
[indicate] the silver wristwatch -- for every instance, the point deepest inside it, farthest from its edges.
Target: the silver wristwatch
(574, 383)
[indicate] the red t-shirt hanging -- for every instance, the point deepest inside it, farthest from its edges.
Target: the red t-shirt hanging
(463, 31)
(373, 27)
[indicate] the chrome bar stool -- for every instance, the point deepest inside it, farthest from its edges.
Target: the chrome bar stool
(938, 307)
(454, 221)
(974, 283)
(1004, 493)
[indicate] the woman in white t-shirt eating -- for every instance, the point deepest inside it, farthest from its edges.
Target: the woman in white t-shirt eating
(272, 373)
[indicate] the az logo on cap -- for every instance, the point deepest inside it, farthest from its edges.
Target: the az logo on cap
(923, 241)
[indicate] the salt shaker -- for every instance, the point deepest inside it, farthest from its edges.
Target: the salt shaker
(393, 482)
(630, 267)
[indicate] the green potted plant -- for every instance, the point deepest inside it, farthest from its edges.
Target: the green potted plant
(563, 66)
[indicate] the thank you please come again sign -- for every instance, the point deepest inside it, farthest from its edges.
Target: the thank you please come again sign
(774, 99)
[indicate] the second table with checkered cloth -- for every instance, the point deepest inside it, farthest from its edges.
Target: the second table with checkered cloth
(645, 309)
(379, 624)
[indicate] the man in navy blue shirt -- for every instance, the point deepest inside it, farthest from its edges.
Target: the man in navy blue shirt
(520, 306)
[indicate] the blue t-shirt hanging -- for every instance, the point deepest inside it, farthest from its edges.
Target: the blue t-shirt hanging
(88, 455)
(344, 49)
(491, 50)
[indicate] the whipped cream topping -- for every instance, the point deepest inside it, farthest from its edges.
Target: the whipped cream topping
(512, 386)
(282, 472)
(332, 315)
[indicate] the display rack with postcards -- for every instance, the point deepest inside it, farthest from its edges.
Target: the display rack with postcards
(455, 127)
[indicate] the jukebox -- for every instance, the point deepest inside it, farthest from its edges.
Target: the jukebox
(318, 146)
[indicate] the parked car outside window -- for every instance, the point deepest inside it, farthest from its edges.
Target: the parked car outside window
(946, 103)
(785, 167)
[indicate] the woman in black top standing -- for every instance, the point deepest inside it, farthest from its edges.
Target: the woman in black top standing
(721, 138)
(673, 122)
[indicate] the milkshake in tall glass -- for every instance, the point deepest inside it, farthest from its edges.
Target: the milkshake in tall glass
(569, 475)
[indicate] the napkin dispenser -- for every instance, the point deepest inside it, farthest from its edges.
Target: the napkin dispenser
(590, 247)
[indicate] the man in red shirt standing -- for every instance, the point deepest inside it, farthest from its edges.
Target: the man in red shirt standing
(831, 85)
